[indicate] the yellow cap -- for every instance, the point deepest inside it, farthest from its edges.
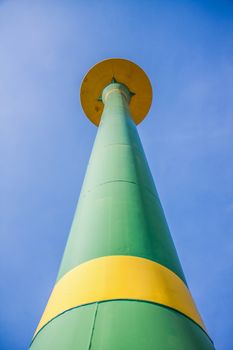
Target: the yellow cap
(124, 71)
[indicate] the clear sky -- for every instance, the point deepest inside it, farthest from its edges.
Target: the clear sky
(46, 47)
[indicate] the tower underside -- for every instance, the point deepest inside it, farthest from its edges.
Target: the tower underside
(120, 285)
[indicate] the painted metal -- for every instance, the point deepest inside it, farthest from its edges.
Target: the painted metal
(119, 214)
(120, 277)
(122, 325)
(127, 73)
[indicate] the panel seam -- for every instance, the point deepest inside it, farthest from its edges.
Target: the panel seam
(112, 300)
(112, 181)
(93, 326)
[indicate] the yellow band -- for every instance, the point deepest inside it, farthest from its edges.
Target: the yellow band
(120, 277)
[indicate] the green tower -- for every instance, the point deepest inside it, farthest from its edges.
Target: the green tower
(120, 285)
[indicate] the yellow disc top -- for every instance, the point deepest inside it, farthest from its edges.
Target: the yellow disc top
(123, 71)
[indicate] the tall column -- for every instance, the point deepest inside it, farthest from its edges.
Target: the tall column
(120, 285)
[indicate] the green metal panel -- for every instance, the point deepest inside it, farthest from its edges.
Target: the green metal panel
(122, 325)
(119, 212)
(69, 331)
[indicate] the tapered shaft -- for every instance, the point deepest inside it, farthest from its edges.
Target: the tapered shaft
(120, 285)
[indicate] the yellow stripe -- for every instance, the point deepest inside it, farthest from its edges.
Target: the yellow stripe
(120, 277)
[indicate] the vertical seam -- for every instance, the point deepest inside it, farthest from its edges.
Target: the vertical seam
(93, 326)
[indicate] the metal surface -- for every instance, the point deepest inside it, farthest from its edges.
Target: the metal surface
(125, 72)
(119, 212)
(120, 277)
(119, 216)
(122, 325)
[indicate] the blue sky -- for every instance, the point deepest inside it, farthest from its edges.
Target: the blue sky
(45, 49)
